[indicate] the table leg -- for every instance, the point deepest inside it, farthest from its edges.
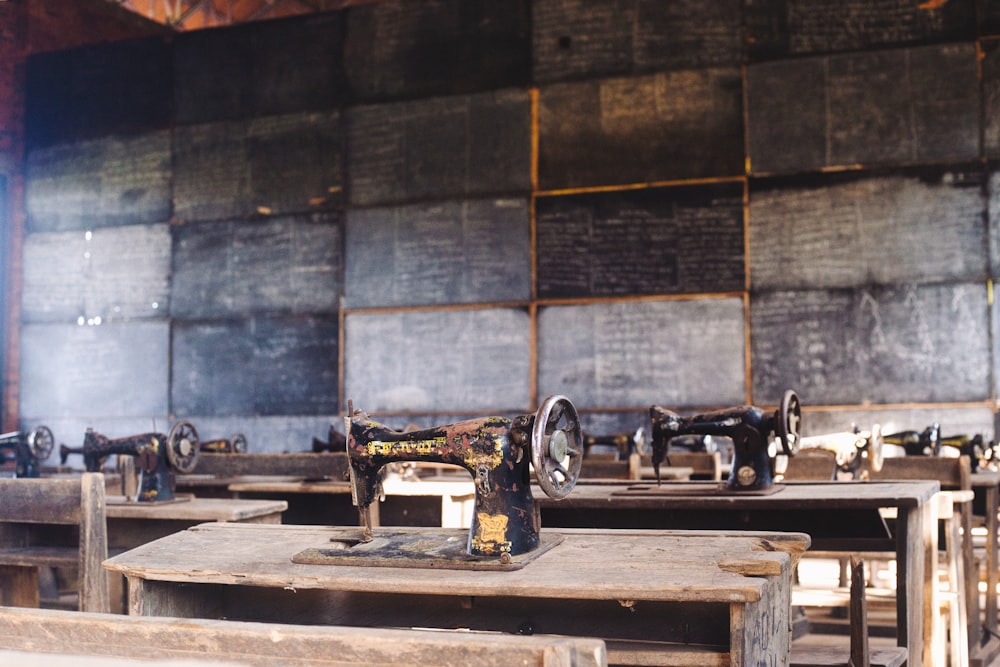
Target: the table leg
(916, 558)
(992, 507)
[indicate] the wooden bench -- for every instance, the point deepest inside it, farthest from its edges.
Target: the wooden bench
(51, 631)
(29, 511)
(310, 466)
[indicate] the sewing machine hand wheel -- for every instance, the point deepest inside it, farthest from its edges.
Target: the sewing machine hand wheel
(789, 418)
(875, 451)
(41, 442)
(555, 437)
(239, 442)
(182, 447)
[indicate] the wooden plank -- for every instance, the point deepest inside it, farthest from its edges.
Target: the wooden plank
(93, 548)
(310, 466)
(260, 644)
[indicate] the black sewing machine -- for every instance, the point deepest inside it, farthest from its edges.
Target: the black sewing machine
(922, 443)
(749, 428)
(335, 442)
(234, 444)
(27, 451)
(979, 452)
(157, 457)
(854, 450)
(499, 453)
(623, 444)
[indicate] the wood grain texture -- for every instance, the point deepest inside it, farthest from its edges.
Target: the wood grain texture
(877, 107)
(883, 345)
(471, 251)
(837, 230)
(641, 129)
(642, 353)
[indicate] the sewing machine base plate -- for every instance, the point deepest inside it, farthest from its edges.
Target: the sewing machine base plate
(694, 489)
(439, 549)
(125, 500)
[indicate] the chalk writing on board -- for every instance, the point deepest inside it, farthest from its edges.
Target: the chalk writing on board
(650, 241)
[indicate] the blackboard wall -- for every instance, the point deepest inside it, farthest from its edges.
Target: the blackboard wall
(457, 207)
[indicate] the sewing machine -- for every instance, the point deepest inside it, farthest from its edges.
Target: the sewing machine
(624, 444)
(980, 454)
(157, 455)
(335, 442)
(854, 450)
(235, 444)
(923, 443)
(27, 451)
(750, 429)
(499, 452)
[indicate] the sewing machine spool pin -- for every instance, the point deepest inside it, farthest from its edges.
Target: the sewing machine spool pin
(506, 520)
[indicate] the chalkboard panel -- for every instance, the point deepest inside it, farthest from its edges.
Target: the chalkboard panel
(659, 127)
(590, 38)
(836, 230)
(279, 164)
(450, 360)
(111, 370)
(882, 107)
(778, 28)
(213, 74)
(99, 183)
(437, 47)
(880, 345)
(93, 90)
(994, 219)
(449, 252)
(442, 147)
(991, 97)
(634, 354)
(652, 241)
(261, 365)
(111, 274)
(281, 265)
(953, 421)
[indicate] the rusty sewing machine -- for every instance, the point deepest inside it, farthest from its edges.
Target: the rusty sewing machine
(856, 452)
(750, 429)
(157, 455)
(624, 445)
(26, 450)
(499, 452)
(335, 442)
(234, 444)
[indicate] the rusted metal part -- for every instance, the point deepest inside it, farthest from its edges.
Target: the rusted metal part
(26, 450)
(157, 455)
(917, 443)
(335, 442)
(496, 451)
(626, 444)
(234, 444)
(750, 429)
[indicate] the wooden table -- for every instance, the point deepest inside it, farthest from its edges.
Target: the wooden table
(986, 486)
(672, 597)
(840, 517)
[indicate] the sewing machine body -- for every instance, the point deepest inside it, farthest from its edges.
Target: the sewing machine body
(853, 450)
(335, 442)
(750, 429)
(624, 444)
(234, 444)
(26, 450)
(157, 457)
(922, 443)
(496, 451)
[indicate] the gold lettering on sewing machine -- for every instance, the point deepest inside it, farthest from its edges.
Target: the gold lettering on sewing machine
(491, 534)
(382, 448)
